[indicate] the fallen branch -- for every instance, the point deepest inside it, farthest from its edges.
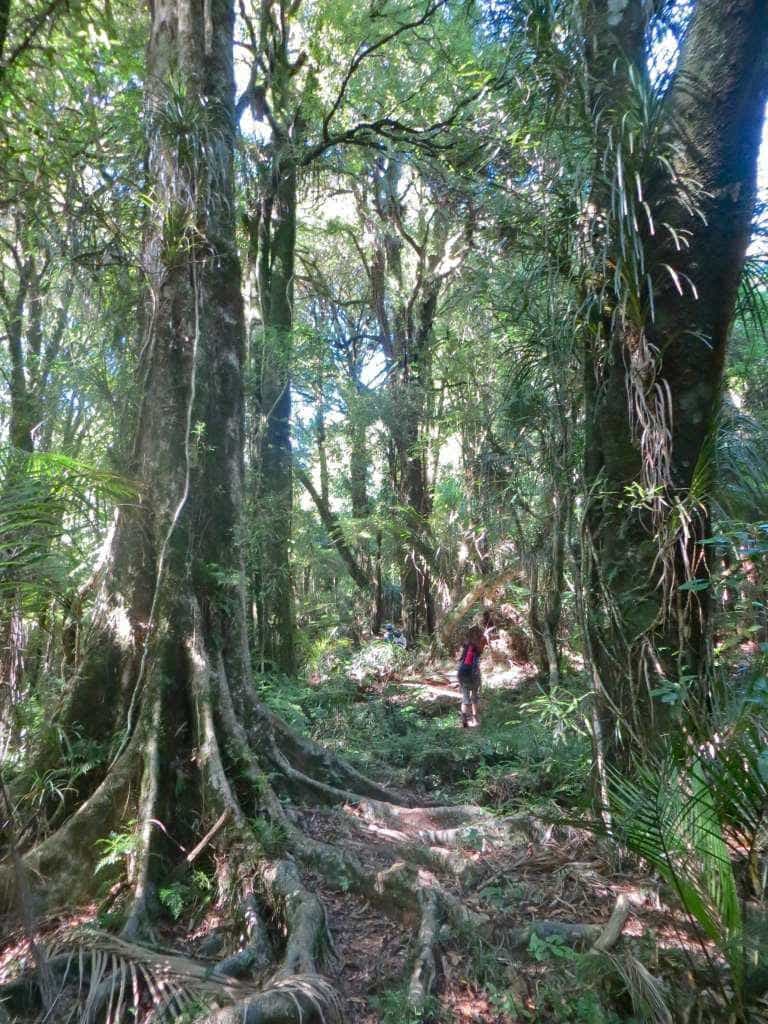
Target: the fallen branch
(210, 834)
(612, 931)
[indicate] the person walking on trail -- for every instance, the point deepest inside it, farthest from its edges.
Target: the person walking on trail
(469, 676)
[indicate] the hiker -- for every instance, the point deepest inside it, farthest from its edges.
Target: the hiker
(394, 636)
(469, 676)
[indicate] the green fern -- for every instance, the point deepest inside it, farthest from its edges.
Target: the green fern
(116, 847)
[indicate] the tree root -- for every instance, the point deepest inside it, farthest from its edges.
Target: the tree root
(612, 931)
(304, 918)
(298, 999)
(140, 877)
(313, 761)
(466, 825)
(296, 993)
(427, 968)
(258, 954)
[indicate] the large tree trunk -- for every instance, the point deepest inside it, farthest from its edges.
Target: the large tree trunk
(168, 677)
(661, 322)
(273, 589)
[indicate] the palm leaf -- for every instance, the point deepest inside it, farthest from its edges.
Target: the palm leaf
(669, 817)
(115, 979)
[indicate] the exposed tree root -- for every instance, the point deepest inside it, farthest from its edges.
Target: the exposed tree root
(612, 931)
(310, 762)
(427, 970)
(297, 992)
(295, 1000)
(304, 916)
(245, 757)
(465, 825)
(258, 954)
(139, 876)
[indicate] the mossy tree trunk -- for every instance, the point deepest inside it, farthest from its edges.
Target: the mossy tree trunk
(171, 608)
(669, 246)
(272, 347)
(274, 96)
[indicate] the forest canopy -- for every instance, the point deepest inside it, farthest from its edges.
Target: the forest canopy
(338, 338)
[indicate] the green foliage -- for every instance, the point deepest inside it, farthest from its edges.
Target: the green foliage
(51, 505)
(572, 987)
(378, 660)
(327, 656)
(395, 1007)
(688, 819)
(668, 818)
(181, 898)
(173, 898)
(48, 776)
(117, 847)
(552, 948)
(270, 837)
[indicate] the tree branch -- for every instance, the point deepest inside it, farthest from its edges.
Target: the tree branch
(360, 56)
(333, 527)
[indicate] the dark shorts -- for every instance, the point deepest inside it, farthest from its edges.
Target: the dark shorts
(470, 687)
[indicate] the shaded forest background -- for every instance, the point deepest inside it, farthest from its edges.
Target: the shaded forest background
(317, 316)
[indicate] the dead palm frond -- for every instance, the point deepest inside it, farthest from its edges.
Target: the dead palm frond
(647, 992)
(117, 981)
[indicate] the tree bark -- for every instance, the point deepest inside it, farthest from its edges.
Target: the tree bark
(272, 225)
(654, 366)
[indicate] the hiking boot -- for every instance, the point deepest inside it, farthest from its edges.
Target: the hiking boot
(464, 721)
(473, 722)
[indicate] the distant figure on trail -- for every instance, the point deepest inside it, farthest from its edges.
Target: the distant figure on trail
(469, 675)
(394, 636)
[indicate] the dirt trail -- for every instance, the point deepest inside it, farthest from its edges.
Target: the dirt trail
(447, 899)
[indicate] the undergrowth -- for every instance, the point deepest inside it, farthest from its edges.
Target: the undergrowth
(516, 757)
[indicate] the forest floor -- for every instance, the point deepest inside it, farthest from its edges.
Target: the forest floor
(529, 759)
(565, 875)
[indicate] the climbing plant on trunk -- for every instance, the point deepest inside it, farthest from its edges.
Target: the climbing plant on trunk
(669, 216)
(195, 761)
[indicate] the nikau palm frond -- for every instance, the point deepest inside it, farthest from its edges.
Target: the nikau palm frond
(48, 500)
(116, 981)
(684, 820)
